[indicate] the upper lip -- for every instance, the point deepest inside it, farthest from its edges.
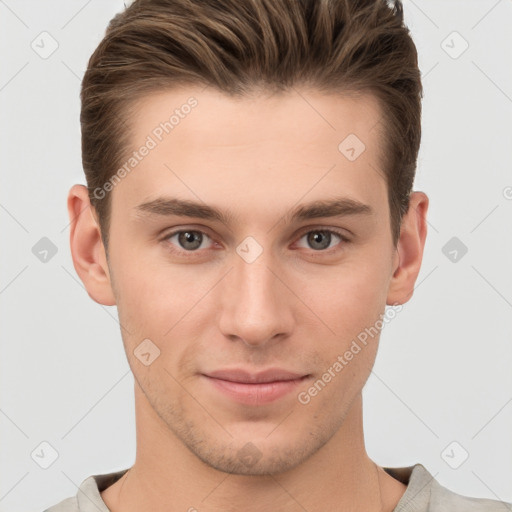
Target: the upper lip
(269, 375)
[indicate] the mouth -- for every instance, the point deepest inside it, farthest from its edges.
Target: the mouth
(251, 388)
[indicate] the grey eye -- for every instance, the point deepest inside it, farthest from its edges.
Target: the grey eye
(190, 240)
(320, 239)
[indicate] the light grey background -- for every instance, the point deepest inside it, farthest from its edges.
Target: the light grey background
(443, 372)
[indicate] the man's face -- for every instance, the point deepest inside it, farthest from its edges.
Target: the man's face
(261, 289)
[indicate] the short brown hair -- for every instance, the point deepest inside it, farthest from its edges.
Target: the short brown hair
(238, 46)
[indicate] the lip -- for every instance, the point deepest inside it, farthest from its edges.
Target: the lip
(255, 388)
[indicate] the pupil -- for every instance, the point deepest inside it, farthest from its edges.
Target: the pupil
(319, 235)
(190, 237)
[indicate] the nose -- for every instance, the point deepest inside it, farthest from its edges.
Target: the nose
(256, 303)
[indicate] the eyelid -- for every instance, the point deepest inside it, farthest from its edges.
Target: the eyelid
(337, 231)
(177, 249)
(330, 251)
(342, 233)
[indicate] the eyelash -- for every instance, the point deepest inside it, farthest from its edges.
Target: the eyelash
(330, 251)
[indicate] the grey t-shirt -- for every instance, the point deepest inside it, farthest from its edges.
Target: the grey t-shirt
(423, 494)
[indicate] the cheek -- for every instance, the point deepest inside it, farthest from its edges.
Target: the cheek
(341, 378)
(140, 292)
(349, 298)
(143, 281)
(352, 309)
(160, 302)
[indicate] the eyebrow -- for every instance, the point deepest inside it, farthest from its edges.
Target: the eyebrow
(337, 207)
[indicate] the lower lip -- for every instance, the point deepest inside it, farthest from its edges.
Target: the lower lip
(255, 394)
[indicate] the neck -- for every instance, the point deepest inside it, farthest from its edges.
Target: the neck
(167, 476)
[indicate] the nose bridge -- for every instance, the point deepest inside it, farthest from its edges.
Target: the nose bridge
(255, 307)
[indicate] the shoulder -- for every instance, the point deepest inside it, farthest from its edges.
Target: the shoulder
(67, 505)
(425, 494)
(88, 497)
(443, 499)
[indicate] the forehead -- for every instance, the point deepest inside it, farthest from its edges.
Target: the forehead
(297, 115)
(209, 146)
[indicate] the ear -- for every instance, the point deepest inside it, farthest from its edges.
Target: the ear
(87, 250)
(413, 233)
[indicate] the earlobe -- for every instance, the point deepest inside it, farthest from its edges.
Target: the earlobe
(87, 250)
(410, 247)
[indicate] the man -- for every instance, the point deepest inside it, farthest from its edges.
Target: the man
(279, 139)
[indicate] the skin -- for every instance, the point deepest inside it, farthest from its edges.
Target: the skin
(296, 307)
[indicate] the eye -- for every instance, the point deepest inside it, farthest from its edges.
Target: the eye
(188, 240)
(193, 240)
(321, 239)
